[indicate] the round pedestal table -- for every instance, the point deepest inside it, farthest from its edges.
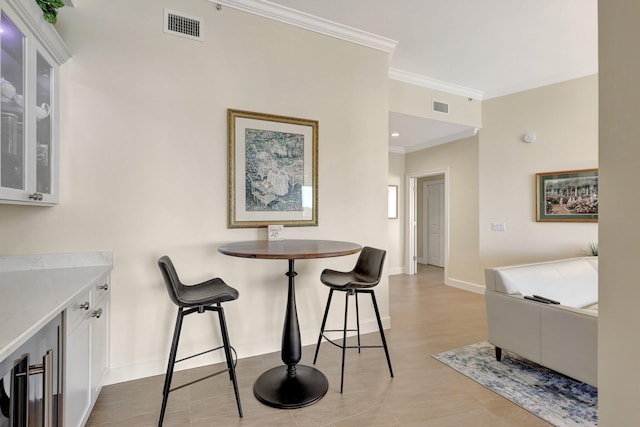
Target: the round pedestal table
(292, 385)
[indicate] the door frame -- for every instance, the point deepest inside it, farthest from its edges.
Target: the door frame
(411, 217)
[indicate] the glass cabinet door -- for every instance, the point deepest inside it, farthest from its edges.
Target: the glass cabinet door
(12, 82)
(44, 134)
(30, 57)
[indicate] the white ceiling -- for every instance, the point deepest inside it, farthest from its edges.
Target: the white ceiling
(480, 49)
(417, 133)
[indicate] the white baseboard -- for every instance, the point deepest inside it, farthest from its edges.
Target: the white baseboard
(135, 372)
(396, 270)
(158, 367)
(466, 286)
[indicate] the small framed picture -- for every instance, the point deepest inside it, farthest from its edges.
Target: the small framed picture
(570, 196)
(275, 232)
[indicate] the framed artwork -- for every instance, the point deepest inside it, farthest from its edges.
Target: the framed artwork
(273, 170)
(570, 196)
(393, 202)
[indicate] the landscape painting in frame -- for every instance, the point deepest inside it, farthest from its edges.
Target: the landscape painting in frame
(567, 196)
(272, 168)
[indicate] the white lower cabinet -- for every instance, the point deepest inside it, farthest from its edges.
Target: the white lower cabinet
(77, 390)
(99, 346)
(86, 352)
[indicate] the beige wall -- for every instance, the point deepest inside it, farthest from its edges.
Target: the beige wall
(496, 171)
(564, 117)
(413, 100)
(144, 165)
(460, 161)
(417, 101)
(618, 340)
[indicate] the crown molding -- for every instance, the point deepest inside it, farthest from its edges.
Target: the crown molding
(276, 12)
(430, 83)
(309, 22)
(397, 150)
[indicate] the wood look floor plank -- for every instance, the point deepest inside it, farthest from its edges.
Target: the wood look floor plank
(427, 317)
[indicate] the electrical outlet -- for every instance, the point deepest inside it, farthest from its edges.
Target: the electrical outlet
(498, 226)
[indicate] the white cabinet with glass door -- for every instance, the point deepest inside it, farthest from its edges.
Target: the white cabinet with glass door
(30, 54)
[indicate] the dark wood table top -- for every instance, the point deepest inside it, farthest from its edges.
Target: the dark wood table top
(289, 249)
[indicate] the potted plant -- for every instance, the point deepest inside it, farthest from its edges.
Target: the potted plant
(50, 9)
(592, 249)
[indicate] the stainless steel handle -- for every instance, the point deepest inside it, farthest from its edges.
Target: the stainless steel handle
(97, 313)
(46, 369)
(19, 409)
(47, 390)
(85, 306)
(104, 287)
(35, 196)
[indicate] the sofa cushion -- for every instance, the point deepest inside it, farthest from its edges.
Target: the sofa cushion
(572, 282)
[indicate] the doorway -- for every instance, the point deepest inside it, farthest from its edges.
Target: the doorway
(428, 231)
(432, 218)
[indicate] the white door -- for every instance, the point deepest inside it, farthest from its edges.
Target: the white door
(434, 233)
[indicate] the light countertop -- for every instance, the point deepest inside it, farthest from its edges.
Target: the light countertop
(36, 288)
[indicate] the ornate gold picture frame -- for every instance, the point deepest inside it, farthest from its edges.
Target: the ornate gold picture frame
(273, 170)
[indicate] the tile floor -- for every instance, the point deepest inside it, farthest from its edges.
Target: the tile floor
(428, 317)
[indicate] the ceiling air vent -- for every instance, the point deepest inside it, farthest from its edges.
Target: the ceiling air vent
(440, 107)
(180, 24)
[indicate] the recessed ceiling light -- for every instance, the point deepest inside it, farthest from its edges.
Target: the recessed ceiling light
(395, 134)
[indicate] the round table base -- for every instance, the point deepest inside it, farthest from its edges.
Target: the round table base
(274, 387)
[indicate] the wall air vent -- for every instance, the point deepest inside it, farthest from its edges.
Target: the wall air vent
(180, 24)
(440, 107)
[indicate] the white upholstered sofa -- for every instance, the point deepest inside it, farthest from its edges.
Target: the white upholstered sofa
(562, 337)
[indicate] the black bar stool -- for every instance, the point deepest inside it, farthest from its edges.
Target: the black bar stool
(205, 296)
(365, 275)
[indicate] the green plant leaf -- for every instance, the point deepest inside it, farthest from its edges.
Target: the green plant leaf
(50, 17)
(50, 9)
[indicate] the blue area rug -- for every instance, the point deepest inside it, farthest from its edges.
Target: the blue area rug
(557, 399)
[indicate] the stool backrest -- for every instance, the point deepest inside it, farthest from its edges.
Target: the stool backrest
(171, 279)
(369, 265)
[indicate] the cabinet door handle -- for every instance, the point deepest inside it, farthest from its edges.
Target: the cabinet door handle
(104, 287)
(97, 313)
(20, 389)
(20, 392)
(36, 196)
(85, 306)
(46, 369)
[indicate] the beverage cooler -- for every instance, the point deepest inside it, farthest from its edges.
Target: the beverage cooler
(30, 389)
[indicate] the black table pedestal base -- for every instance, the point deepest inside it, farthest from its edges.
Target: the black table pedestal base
(276, 389)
